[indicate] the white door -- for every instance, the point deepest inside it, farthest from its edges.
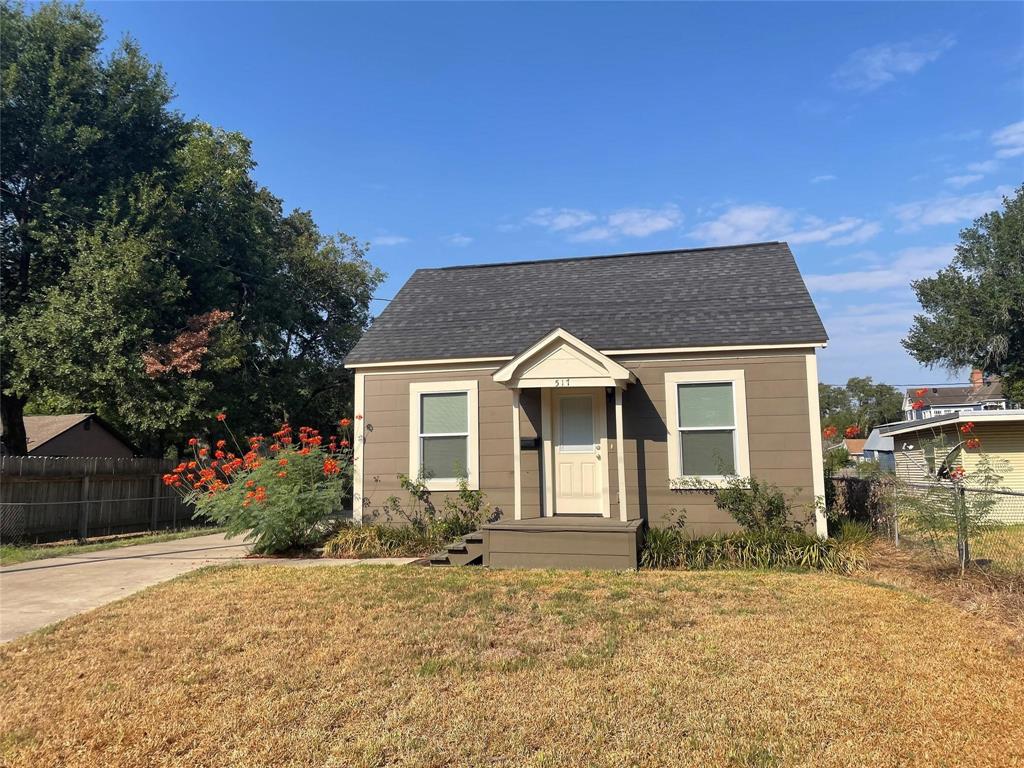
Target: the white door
(579, 433)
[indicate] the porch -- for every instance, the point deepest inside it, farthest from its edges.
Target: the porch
(576, 542)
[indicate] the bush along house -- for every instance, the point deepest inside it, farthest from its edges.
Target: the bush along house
(582, 396)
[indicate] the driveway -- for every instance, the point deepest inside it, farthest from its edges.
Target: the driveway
(41, 592)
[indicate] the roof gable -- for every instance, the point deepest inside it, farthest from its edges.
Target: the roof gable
(748, 295)
(560, 356)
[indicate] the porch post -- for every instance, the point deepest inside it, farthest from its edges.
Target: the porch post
(621, 455)
(516, 459)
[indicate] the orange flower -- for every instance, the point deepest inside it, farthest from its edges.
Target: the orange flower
(331, 467)
(282, 462)
(203, 451)
(193, 441)
(851, 431)
(282, 474)
(917, 405)
(344, 443)
(973, 443)
(829, 432)
(345, 422)
(967, 427)
(221, 443)
(219, 454)
(921, 392)
(221, 416)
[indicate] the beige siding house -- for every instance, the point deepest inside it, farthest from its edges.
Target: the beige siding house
(578, 394)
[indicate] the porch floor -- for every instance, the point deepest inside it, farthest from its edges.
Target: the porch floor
(564, 541)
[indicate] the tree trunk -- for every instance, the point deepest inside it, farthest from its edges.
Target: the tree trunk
(12, 413)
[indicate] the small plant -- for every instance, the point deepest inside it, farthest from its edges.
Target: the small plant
(281, 492)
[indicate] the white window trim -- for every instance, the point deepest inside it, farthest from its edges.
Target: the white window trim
(470, 387)
(739, 406)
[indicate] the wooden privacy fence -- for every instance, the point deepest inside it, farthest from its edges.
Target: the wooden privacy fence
(52, 498)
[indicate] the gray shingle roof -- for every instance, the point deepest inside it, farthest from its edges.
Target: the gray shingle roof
(940, 396)
(745, 294)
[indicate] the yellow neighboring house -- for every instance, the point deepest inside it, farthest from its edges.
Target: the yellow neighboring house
(921, 448)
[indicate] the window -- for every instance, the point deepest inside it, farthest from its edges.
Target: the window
(443, 442)
(707, 424)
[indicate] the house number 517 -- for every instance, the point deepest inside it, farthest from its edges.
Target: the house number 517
(561, 382)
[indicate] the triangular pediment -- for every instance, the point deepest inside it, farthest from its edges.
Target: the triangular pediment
(562, 360)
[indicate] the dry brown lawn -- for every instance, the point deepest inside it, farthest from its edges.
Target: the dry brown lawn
(373, 666)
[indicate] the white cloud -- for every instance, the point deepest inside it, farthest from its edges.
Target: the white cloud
(389, 240)
(750, 223)
(457, 239)
(745, 223)
(625, 222)
(861, 234)
(948, 209)
(1009, 140)
(869, 68)
(986, 166)
(823, 177)
(965, 180)
(905, 265)
(558, 219)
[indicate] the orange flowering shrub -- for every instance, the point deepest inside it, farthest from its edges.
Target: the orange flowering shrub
(281, 490)
(851, 432)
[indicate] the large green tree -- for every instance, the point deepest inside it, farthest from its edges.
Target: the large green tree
(860, 403)
(177, 289)
(973, 310)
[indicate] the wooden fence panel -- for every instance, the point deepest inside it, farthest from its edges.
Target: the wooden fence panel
(48, 498)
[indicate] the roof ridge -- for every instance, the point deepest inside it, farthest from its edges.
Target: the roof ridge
(628, 254)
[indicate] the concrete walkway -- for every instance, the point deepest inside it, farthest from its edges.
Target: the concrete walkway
(41, 592)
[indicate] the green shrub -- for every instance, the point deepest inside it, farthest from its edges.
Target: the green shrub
(755, 505)
(425, 530)
(282, 492)
(370, 540)
(672, 548)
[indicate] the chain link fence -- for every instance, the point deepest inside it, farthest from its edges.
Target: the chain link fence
(953, 522)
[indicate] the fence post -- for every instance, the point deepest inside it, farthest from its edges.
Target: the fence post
(155, 510)
(83, 510)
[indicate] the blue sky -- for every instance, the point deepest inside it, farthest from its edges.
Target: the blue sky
(866, 135)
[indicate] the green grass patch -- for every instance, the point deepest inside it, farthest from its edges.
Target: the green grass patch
(12, 554)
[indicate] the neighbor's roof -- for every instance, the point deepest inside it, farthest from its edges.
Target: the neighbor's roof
(42, 429)
(704, 297)
(990, 390)
(855, 445)
(979, 417)
(877, 442)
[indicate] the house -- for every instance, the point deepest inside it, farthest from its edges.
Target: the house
(75, 434)
(854, 448)
(580, 394)
(980, 395)
(930, 448)
(879, 447)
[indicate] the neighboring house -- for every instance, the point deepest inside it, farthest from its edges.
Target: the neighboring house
(878, 447)
(578, 393)
(854, 448)
(980, 395)
(922, 448)
(75, 434)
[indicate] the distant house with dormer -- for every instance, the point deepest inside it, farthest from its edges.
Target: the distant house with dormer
(982, 394)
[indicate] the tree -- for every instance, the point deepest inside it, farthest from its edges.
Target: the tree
(862, 404)
(179, 290)
(973, 310)
(76, 129)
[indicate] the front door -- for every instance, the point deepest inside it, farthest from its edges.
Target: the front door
(579, 433)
